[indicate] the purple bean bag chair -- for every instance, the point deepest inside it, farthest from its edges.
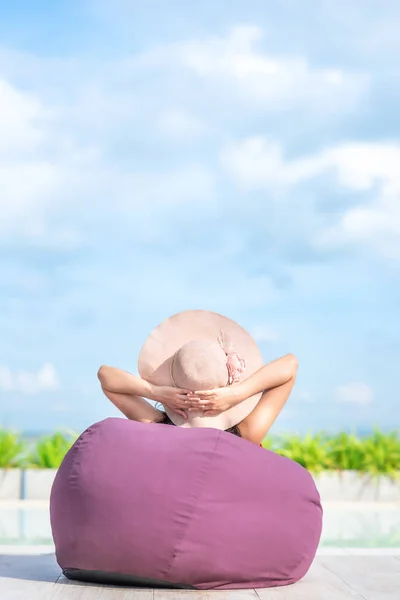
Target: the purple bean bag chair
(157, 505)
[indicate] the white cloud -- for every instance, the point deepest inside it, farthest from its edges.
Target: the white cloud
(376, 223)
(264, 333)
(180, 125)
(254, 162)
(177, 187)
(52, 178)
(30, 175)
(258, 162)
(27, 180)
(276, 81)
(74, 147)
(363, 168)
(354, 392)
(45, 379)
(26, 189)
(233, 55)
(358, 32)
(78, 153)
(19, 113)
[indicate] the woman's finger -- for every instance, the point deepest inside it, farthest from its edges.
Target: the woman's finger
(185, 404)
(195, 401)
(205, 403)
(193, 407)
(205, 396)
(199, 404)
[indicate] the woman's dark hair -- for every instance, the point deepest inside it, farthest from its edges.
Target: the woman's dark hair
(167, 421)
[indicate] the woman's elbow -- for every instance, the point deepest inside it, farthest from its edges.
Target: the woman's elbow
(102, 375)
(292, 364)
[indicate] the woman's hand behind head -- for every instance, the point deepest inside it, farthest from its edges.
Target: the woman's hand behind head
(217, 401)
(174, 398)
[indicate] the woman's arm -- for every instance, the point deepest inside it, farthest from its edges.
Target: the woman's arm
(134, 407)
(275, 380)
(126, 391)
(121, 382)
(274, 374)
(257, 424)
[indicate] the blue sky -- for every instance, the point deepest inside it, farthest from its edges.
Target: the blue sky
(167, 157)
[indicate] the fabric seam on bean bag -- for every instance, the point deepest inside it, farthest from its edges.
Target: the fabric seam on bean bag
(201, 480)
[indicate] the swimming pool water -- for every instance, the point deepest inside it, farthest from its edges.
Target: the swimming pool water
(361, 526)
(351, 526)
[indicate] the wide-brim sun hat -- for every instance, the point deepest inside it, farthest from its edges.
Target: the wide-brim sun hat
(198, 350)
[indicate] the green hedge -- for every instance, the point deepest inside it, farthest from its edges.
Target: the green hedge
(376, 454)
(46, 453)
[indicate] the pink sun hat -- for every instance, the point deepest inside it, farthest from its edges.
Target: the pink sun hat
(199, 350)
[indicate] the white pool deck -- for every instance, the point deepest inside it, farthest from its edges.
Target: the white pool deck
(32, 573)
(337, 575)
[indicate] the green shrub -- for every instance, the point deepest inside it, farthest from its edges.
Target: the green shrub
(310, 451)
(375, 454)
(345, 452)
(50, 450)
(381, 454)
(11, 450)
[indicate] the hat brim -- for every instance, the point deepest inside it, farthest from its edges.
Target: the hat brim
(166, 339)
